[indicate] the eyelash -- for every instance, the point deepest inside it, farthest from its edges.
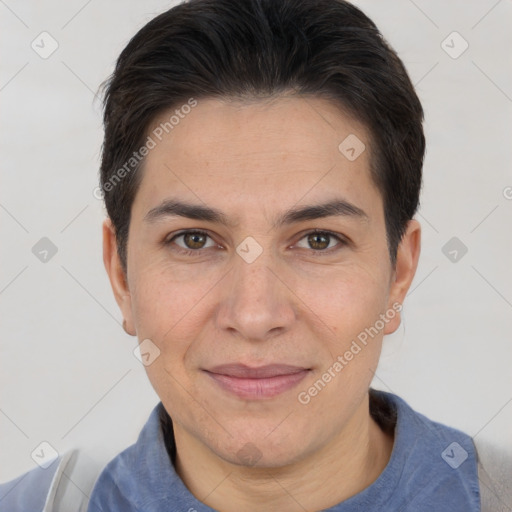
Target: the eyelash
(318, 252)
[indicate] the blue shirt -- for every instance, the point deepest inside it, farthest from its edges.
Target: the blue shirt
(433, 468)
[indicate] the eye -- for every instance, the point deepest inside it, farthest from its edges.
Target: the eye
(193, 241)
(319, 241)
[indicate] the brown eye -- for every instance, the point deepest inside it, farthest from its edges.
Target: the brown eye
(320, 241)
(193, 241)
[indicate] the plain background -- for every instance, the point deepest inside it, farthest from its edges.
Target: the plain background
(68, 373)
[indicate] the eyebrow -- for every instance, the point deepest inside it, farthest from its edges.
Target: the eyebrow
(176, 208)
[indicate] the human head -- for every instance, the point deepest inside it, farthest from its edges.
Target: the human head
(249, 50)
(253, 155)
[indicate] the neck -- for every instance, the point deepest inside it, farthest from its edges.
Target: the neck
(351, 461)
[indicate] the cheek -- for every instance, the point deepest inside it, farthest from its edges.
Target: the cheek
(161, 309)
(362, 299)
(166, 311)
(166, 296)
(171, 307)
(347, 301)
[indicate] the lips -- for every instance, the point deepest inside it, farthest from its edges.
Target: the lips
(261, 372)
(257, 382)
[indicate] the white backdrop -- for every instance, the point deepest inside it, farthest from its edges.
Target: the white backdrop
(68, 374)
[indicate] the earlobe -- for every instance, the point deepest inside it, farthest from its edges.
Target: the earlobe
(408, 254)
(117, 276)
(125, 328)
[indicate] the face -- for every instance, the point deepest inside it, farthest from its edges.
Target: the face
(256, 316)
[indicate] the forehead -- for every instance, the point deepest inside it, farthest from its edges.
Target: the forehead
(286, 123)
(269, 152)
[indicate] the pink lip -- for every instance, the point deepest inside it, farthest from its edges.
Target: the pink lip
(257, 383)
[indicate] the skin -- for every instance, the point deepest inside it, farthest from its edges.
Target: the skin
(294, 304)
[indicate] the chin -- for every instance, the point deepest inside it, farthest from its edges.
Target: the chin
(262, 452)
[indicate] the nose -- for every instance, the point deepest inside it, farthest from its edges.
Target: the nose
(257, 303)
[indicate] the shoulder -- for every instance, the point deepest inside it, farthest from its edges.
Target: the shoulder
(437, 464)
(114, 489)
(61, 484)
(136, 474)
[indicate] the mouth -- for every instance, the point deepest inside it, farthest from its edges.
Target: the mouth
(253, 383)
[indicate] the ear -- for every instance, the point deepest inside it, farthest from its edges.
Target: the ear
(408, 254)
(118, 279)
